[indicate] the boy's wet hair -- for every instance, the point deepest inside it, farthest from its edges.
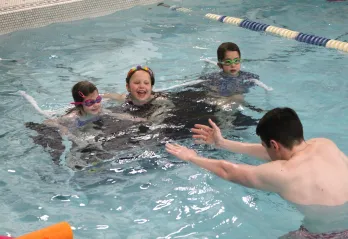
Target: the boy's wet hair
(86, 88)
(224, 47)
(282, 125)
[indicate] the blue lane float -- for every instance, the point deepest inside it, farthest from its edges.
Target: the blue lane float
(311, 39)
(221, 19)
(255, 26)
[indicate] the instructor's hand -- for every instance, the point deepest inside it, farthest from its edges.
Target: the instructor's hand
(207, 135)
(181, 152)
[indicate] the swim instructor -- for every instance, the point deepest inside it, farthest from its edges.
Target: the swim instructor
(311, 174)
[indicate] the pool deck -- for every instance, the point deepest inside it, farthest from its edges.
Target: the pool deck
(24, 14)
(8, 6)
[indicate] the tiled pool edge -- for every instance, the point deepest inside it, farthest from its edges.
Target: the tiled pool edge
(43, 13)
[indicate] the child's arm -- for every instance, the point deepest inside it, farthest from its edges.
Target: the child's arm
(123, 116)
(54, 123)
(60, 123)
(164, 101)
(261, 84)
(255, 80)
(165, 106)
(239, 100)
(115, 96)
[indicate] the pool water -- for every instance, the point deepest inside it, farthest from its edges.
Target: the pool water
(132, 198)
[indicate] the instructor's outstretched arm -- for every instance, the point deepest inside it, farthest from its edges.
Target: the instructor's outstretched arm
(212, 135)
(268, 177)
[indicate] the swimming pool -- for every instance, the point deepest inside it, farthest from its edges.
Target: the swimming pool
(123, 199)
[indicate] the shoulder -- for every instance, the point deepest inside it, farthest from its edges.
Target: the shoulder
(323, 145)
(271, 176)
(276, 164)
(74, 112)
(321, 141)
(211, 76)
(248, 75)
(69, 118)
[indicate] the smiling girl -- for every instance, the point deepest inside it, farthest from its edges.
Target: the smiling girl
(140, 97)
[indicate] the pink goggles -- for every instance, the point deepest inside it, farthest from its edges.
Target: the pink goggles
(89, 102)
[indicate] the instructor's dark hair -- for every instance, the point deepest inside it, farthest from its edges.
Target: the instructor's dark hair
(282, 125)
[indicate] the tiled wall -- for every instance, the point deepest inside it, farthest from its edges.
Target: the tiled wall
(23, 14)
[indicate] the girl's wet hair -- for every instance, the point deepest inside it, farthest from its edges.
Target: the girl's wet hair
(141, 68)
(84, 87)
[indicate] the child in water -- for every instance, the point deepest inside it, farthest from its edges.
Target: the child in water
(231, 80)
(86, 111)
(230, 83)
(87, 108)
(140, 99)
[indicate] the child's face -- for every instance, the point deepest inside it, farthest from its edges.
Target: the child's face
(96, 107)
(234, 68)
(140, 86)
